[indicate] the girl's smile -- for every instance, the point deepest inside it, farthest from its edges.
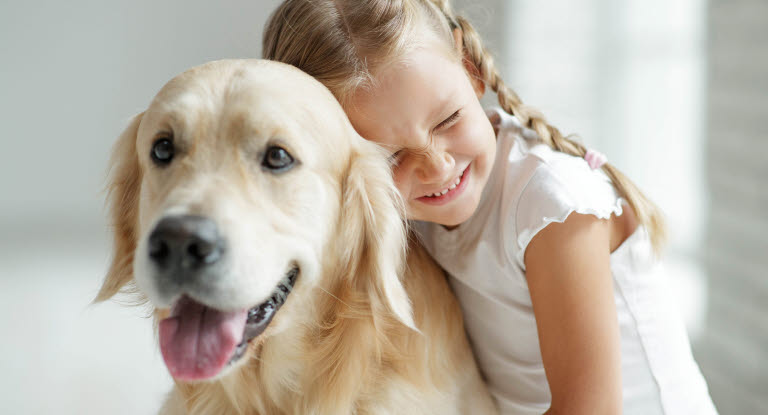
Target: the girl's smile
(449, 193)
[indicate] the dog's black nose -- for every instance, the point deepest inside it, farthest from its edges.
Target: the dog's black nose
(185, 242)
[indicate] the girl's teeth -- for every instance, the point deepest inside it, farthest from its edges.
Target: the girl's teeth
(453, 186)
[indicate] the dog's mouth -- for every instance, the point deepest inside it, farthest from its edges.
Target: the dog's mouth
(197, 341)
(260, 316)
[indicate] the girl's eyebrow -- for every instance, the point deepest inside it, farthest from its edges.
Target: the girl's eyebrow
(448, 100)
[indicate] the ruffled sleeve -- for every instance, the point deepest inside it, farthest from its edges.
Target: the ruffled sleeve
(560, 186)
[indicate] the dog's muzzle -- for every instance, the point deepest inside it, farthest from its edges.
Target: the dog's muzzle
(197, 340)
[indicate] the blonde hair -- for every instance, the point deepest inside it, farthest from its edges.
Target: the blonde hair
(342, 42)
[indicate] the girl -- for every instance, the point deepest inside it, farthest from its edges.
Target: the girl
(549, 250)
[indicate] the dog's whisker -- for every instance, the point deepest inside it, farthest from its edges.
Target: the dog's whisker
(337, 298)
(261, 361)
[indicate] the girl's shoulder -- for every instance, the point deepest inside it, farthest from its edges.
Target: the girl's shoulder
(542, 186)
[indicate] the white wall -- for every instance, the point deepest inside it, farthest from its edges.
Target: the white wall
(735, 348)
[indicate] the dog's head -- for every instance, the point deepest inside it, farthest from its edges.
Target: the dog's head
(237, 192)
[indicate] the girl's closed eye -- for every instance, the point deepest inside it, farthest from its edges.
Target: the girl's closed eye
(448, 122)
(394, 158)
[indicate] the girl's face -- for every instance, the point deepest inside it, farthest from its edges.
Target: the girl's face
(426, 111)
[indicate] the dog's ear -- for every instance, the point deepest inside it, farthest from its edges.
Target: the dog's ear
(123, 201)
(373, 220)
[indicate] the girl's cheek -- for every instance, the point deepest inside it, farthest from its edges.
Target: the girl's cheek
(463, 136)
(477, 132)
(401, 177)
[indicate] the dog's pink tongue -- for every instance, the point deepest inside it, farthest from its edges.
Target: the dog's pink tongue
(197, 341)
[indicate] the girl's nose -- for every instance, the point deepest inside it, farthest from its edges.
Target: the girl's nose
(436, 166)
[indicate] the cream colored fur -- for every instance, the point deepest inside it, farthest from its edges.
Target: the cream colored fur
(367, 328)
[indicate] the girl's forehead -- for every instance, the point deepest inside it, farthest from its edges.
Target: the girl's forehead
(420, 70)
(408, 97)
(418, 43)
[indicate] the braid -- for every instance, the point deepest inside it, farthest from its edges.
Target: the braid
(508, 99)
(647, 212)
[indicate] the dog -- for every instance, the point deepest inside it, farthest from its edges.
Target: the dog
(268, 238)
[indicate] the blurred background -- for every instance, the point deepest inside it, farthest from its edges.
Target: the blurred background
(675, 93)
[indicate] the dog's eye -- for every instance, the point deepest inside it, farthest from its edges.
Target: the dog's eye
(277, 159)
(162, 151)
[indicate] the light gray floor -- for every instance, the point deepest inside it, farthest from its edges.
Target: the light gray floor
(59, 354)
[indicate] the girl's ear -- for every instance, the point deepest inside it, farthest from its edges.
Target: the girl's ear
(123, 198)
(374, 227)
(472, 71)
(458, 40)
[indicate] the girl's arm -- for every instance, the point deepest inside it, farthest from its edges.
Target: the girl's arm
(569, 278)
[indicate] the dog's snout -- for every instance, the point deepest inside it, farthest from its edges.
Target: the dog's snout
(185, 242)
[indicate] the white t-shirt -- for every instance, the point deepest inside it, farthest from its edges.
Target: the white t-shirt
(531, 186)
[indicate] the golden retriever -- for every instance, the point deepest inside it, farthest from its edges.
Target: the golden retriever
(267, 236)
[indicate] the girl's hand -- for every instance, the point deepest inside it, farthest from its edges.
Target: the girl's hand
(569, 278)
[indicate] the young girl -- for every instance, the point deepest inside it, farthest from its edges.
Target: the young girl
(549, 249)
